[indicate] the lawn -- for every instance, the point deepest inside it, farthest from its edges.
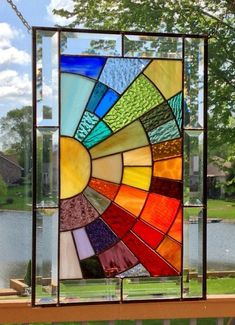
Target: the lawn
(18, 197)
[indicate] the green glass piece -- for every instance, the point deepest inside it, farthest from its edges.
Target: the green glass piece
(164, 132)
(176, 106)
(139, 98)
(87, 123)
(99, 133)
(98, 201)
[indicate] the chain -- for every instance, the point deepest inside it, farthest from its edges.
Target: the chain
(19, 14)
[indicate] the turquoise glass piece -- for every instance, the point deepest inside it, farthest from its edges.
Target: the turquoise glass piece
(176, 106)
(119, 73)
(86, 66)
(75, 92)
(87, 123)
(99, 133)
(106, 102)
(96, 96)
(164, 132)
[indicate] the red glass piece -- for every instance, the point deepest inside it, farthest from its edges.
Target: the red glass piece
(150, 235)
(106, 188)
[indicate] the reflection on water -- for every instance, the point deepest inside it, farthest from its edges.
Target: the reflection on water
(15, 245)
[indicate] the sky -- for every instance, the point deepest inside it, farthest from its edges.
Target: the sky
(15, 48)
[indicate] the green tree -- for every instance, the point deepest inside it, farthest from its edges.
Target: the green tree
(3, 187)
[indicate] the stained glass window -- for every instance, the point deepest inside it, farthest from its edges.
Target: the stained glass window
(117, 164)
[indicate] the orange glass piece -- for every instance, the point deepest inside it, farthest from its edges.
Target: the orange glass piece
(169, 168)
(167, 149)
(160, 211)
(106, 188)
(171, 251)
(131, 199)
(176, 229)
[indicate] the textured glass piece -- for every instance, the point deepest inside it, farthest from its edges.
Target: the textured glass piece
(166, 75)
(167, 149)
(108, 168)
(138, 157)
(76, 212)
(117, 259)
(131, 199)
(168, 168)
(99, 133)
(93, 44)
(75, 92)
(157, 116)
(130, 137)
(164, 132)
(137, 271)
(86, 66)
(96, 96)
(193, 168)
(108, 100)
(69, 264)
(46, 255)
(152, 46)
(160, 211)
(75, 167)
(100, 235)
(83, 245)
(167, 187)
(119, 220)
(106, 188)
(194, 83)
(139, 177)
(91, 268)
(151, 261)
(47, 78)
(99, 202)
(148, 234)
(86, 124)
(176, 106)
(118, 73)
(139, 98)
(176, 228)
(170, 250)
(47, 167)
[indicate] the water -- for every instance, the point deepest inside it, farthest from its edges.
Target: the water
(15, 245)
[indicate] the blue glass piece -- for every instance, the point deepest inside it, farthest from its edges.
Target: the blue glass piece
(101, 237)
(87, 123)
(164, 132)
(96, 96)
(100, 132)
(85, 66)
(176, 106)
(106, 102)
(118, 73)
(75, 92)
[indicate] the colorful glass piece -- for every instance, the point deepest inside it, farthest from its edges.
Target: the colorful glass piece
(82, 243)
(148, 234)
(99, 133)
(167, 149)
(87, 123)
(117, 259)
(119, 73)
(137, 271)
(176, 106)
(106, 188)
(138, 157)
(137, 176)
(139, 98)
(75, 92)
(176, 228)
(169, 168)
(166, 75)
(76, 212)
(100, 236)
(98, 201)
(86, 66)
(170, 250)
(167, 187)
(91, 268)
(96, 96)
(108, 168)
(164, 132)
(106, 102)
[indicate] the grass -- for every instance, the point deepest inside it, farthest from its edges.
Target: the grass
(21, 200)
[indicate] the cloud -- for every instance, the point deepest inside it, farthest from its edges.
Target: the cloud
(60, 4)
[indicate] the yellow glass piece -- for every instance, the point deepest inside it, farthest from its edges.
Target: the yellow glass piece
(69, 264)
(75, 167)
(138, 157)
(170, 168)
(166, 75)
(138, 177)
(108, 168)
(130, 137)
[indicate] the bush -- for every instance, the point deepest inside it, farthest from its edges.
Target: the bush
(27, 277)
(3, 187)
(9, 200)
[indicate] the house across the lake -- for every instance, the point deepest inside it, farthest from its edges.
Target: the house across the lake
(10, 170)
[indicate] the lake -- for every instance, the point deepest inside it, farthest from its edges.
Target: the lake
(15, 245)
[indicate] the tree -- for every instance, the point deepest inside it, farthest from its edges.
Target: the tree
(213, 17)
(3, 187)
